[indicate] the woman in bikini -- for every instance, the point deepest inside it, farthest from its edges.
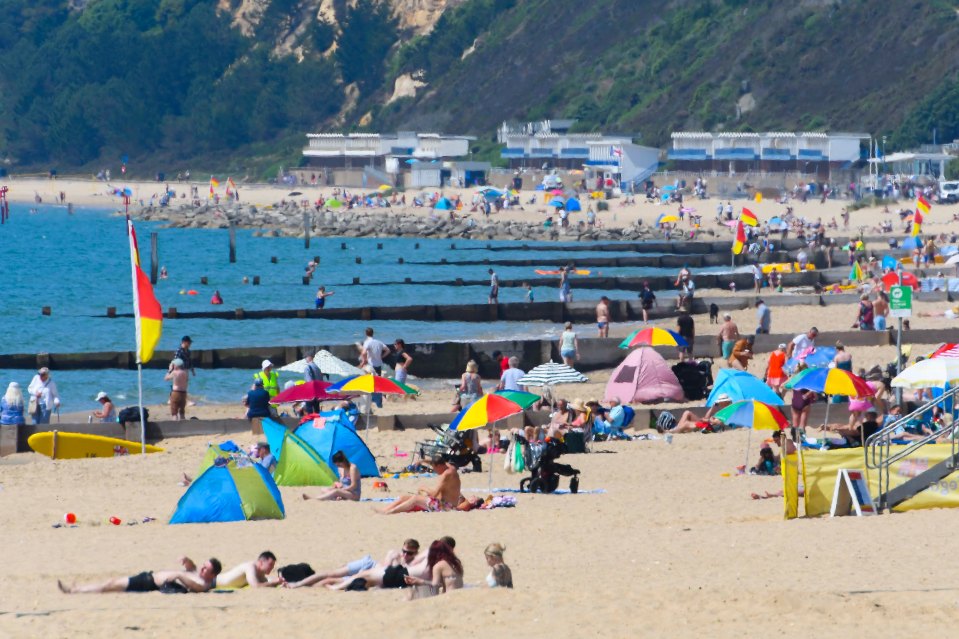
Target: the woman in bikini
(445, 569)
(348, 488)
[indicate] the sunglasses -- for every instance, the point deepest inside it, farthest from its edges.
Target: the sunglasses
(409, 552)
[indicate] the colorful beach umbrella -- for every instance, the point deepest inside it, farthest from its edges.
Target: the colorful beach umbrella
(484, 411)
(557, 202)
(309, 391)
(820, 357)
(444, 204)
(830, 381)
(754, 415)
(524, 399)
(653, 336)
(552, 374)
(371, 384)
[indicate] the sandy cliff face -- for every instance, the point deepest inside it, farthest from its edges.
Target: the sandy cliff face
(414, 16)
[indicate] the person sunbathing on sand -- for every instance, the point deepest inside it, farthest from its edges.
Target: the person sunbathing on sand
(349, 486)
(254, 574)
(445, 496)
(408, 557)
(190, 579)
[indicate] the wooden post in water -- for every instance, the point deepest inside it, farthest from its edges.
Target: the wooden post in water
(306, 229)
(232, 243)
(154, 257)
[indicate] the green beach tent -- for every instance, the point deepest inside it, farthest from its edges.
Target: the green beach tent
(297, 463)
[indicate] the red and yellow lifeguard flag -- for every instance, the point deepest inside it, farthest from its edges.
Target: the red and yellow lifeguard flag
(739, 244)
(146, 309)
(214, 183)
(230, 185)
(748, 217)
(922, 204)
(922, 208)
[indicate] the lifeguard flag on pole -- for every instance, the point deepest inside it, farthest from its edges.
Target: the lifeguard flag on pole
(748, 217)
(916, 223)
(739, 244)
(146, 309)
(922, 204)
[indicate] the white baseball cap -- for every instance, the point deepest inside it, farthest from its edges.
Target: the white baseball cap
(266, 363)
(102, 395)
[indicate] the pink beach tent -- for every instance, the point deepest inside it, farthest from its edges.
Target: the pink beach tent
(643, 377)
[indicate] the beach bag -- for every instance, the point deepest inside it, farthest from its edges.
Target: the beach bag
(132, 414)
(519, 464)
(296, 572)
(665, 422)
(33, 408)
(395, 577)
(628, 416)
(508, 457)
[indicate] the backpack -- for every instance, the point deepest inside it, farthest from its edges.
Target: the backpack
(666, 421)
(132, 414)
(296, 572)
(628, 415)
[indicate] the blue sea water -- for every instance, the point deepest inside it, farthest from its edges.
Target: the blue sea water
(79, 265)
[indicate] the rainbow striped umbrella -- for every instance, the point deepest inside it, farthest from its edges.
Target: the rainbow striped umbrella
(484, 411)
(753, 414)
(524, 399)
(830, 381)
(371, 384)
(653, 336)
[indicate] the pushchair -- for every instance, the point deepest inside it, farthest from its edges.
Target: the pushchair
(455, 446)
(540, 459)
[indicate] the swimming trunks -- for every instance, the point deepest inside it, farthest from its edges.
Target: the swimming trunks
(320, 302)
(142, 582)
(434, 505)
(601, 324)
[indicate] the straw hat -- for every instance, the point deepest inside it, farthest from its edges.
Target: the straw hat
(578, 405)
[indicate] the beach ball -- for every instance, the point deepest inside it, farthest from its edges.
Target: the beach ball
(70, 518)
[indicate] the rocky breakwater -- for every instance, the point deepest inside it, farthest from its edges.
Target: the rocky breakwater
(287, 220)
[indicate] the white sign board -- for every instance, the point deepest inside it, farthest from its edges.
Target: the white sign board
(851, 496)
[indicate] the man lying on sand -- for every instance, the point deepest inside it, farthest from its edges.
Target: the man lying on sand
(252, 573)
(445, 496)
(187, 580)
(388, 574)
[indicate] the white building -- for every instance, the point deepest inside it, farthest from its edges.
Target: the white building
(814, 153)
(549, 144)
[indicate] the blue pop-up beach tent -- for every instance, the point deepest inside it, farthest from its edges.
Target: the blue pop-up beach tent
(230, 492)
(330, 433)
(740, 386)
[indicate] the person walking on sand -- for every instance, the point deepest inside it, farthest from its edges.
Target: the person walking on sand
(602, 316)
(728, 334)
(184, 354)
(178, 392)
(647, 299)
(189, 579)
(493, 288)
(43, 393)
(569, 345)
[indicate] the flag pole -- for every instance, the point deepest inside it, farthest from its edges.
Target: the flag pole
(143, 428)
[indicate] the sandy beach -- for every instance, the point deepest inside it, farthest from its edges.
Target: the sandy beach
(665, 540)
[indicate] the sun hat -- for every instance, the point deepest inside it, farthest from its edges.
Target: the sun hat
(578, 405)
(723, 397)
(102, 395)
(266, 364)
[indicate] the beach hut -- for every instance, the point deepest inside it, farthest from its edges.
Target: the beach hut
(330, 433)
(297, 463)
(230, 492)
(643, 377)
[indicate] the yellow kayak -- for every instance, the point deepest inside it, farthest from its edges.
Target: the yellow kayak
(786, 267)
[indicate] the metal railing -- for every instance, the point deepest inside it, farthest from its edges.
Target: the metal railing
(877, 448)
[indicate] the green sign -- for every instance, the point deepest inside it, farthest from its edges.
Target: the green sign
(900, 301)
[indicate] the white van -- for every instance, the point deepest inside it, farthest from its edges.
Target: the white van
(949, 191)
